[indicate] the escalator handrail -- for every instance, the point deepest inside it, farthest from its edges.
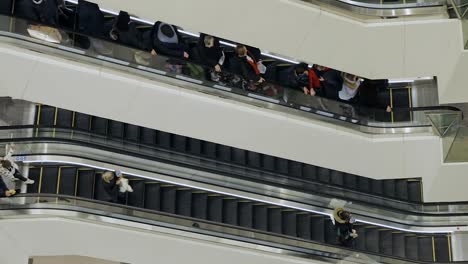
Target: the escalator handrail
(126, 152)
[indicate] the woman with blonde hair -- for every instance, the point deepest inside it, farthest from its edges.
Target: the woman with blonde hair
(344, 227)
(115, 186)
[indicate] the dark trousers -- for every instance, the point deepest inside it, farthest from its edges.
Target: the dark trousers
(18, 175)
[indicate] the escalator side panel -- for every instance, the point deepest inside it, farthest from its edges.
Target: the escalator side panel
(153, 196)
(200, 205)
(246, 214)
(49, 180)
(67, 180)
(86, 184)
(34, 174)
(64, 118)
(260, 217)
(137, 197)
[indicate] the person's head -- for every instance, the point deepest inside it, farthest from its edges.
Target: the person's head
(208, 41)
(301, 68)
(6, 164)
(167, 30)
(107, 176)
(241, 50)
(345, 215)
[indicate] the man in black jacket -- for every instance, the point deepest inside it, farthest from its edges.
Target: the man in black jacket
(165, 39)
(209, 52)
(245, 65)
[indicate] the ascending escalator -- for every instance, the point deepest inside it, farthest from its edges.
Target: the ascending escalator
(174, 199)
(287, 173)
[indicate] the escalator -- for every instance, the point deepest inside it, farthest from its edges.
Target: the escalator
(363, 118)
(170, 198)
(266, 168)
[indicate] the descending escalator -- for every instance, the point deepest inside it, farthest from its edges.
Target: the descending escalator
(85, 182)
(294, 172)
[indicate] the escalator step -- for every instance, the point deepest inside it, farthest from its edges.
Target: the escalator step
(336, 177)
(116, 129)
(64, 118)
(224, 153)
(268, 162)
(239, 156)
(350, 181)
(441, 245)
(82, 121)
(47, 116)
(274, 220)
(246, 214)
(260, 217)
(323, 174)
(230, 209)
(282, 165)
(99, 125)
(131, 132)
(425, 252)
(329, 232)
(147, 136)
(303, 226)
(309, 172)
(215, 208)
(295, 169)
(377, 187)
(168, 199)
(401, 189)
(399, 245)
(372, 240)
(200, 205)
(360, 242)
(411, 247)
(153, 196)
(180, 143)
(49, 180)
(317, 228)
(99, 192)
(289, 223)
(137, 197)
(209, 149)
(184, 202)
(194, 146)
(86, 184)
(254, 159)
(364, 184)
(414, 191)
(35, 175)
(386, 239)
(164, 139)
(67, 180)
(389, 188)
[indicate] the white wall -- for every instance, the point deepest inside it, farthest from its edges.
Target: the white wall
(87, 88)
(394, 48)
(22, 238)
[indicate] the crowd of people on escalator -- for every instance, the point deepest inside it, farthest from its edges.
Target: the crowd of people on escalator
(205, 57)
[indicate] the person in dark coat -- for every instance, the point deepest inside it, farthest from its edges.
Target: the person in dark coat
(209, 52)
(4, 191)
(301, 78)
(90, 19)
(245, 65)
(166, 40)
(41, 11)
(345, 231)
(110, 184)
